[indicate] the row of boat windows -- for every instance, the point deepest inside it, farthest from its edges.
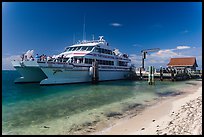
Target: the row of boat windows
(80, 48)
(122, 63)
(105, 62)
(100, 62)
(105, 51)
(89, 61)
(89, 48)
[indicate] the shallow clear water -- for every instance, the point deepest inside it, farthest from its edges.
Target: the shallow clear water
(26, 108)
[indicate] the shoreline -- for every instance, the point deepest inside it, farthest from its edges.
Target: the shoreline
(169, 115)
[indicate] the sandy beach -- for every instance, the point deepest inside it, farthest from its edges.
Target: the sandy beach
(178, 115)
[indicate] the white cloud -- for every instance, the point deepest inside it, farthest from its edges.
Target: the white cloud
(162, 57)
(116, 24)
(183, 47)
(184, 31)
(137, 45)
(135, 59)
(164, 53)
(6, 62)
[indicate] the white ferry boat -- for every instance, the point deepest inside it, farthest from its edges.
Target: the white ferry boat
(74, 65)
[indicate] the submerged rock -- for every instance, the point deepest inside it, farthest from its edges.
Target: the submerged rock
(113, 114)
(87, 123)
(46, 127)
(134, 105)
(191, 83)
(169, 93)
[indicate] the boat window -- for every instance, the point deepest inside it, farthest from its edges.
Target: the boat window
(65, 59)
(96, 49)
(109, 62)
(79, 60)
(67, 49)
(78, 48)
(89, 48)
(57, 60)
(99, 50)
(122, 63)
(88, 61)
(83, 48)
(103, 50)
(74, 48)
(70, 49)
(105, 62)
(109, 52)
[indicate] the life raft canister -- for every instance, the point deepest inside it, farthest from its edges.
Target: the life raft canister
(90, 71)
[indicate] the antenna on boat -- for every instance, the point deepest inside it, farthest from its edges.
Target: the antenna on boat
(73, 38)
(84, 33)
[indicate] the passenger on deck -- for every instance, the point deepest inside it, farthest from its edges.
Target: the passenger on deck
(37, 57)
(49, 58)
(78, 61)
(25, 57)
(70, 60)
(45, 58)
(22, 57)
(62, 58)
(42, 57)
(31, 58)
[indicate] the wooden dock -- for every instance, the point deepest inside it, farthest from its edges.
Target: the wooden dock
(143, 75)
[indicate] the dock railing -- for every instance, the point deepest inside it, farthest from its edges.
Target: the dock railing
(169, 74)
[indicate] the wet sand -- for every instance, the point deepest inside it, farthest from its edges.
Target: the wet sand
(175, 115)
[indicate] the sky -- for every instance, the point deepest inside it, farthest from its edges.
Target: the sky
(49, 27)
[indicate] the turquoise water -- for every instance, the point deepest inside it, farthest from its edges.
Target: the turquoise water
(26, 108)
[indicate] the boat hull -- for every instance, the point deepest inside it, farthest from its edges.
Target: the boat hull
(66, 76)
(30, 72)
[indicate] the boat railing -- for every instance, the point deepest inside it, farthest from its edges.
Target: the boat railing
(91, 41)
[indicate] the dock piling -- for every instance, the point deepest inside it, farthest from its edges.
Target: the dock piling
(95, 76)
(141, 73)
(161, 73)
(172, 74)
(151, 75)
